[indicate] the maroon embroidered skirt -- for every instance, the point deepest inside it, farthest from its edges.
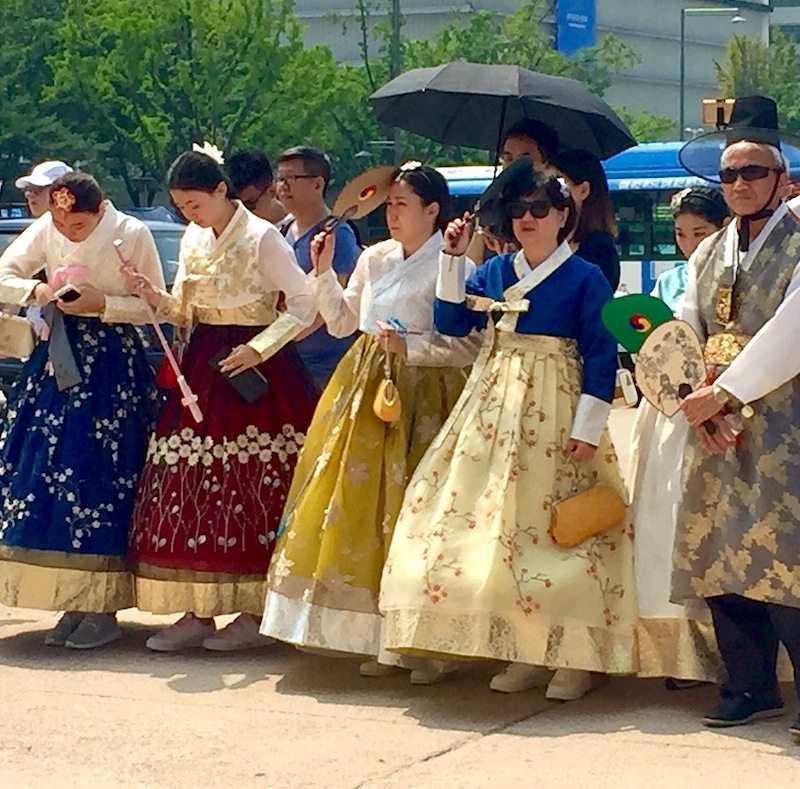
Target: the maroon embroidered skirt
(212, 494)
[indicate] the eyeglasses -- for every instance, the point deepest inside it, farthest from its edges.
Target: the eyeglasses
(537, 208)
(290, 179)
(750, 172)
(253, 201)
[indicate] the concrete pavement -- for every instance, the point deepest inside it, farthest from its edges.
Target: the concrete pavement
(123, 717)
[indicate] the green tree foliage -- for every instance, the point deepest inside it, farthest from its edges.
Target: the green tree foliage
(754, 68)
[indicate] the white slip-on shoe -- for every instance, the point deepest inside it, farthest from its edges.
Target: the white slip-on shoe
(517, 677)
(431, 672)
(188, 632)
(371, 668)
(242, 633)
(569, 684)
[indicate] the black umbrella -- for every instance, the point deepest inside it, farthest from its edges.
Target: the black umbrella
(472, 104)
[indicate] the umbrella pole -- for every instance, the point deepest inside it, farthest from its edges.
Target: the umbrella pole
(499, 137)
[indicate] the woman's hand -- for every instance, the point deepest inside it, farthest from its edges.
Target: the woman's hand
(140, 285)
(43, 294)
(391, 342)
(241, 358)
(91, 300)
(581, 451)
(322, 248)
(457, 235)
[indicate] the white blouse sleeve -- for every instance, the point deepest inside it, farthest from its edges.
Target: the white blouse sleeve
(341, 307)
(25, 256)
(280, 272)
(143, 254)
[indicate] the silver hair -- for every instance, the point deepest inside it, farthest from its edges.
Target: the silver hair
(779, 158)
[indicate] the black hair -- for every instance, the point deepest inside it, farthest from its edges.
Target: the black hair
(84, 188)
(553, 189)
(196, 170)
(315, 162)
(544, 137)
(431, 187)
(597, 212)
(249, 168)
(702, 201)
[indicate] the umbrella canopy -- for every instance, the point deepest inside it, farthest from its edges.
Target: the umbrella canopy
(472, 104)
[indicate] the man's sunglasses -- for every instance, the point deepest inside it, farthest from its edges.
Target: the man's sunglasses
(750, 172)
(537, 208)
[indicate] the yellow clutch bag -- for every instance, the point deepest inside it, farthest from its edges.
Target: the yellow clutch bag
(386, 405)
(17, 337)
(579, 517)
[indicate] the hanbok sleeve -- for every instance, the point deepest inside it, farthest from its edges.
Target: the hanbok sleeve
(171, 308)
(433, 349)
(341, 307)
(450, 312)
(690, 308)
(280, 272)
(25, 256)
(598, 349)
(144, 256)
(772, 357)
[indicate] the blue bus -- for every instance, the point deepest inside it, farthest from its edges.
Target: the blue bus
(642, 181)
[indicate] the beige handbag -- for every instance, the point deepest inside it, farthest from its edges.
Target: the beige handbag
(586, 514)
(17, 338)
(387, 405)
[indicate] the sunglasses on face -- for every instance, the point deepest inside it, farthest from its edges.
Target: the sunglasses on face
(538, 209)
(750, 172)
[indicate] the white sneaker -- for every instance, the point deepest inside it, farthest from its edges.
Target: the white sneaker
(517, 677)
(242, 633)
(371, 668)
(188, 632)
(431, 672)
(569, 684)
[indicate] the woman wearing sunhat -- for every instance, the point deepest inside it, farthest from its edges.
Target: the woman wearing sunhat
(737, 538)
(473, 571)
(365, 439)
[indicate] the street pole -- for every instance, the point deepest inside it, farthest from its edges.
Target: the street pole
(682, 89)
(395, 65)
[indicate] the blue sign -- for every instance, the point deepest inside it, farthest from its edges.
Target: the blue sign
(576, 25)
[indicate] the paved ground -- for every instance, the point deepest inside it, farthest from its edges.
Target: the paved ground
(124, 717)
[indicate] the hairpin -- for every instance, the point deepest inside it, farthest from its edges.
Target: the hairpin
(63, 199)
(210, 150)
(564, 187)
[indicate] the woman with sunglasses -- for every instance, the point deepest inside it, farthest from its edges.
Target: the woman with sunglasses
(353, 471)
(472, 571)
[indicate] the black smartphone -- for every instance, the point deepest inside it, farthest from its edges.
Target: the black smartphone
(68, 293)
(250, 385)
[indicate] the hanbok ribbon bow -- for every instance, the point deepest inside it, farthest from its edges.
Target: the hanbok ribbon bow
(485, 304)
(59, 349)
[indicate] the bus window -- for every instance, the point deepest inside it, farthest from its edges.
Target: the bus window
(633, 210)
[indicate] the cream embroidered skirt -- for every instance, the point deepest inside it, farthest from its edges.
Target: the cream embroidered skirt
(472, 570)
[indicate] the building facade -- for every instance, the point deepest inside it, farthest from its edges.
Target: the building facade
(651, 27)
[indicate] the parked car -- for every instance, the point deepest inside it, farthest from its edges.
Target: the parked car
(167, 236)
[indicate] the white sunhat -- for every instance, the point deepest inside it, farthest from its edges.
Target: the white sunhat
(44, 174)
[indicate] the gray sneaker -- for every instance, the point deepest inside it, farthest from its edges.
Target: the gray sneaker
(95, 630)
(66, 626)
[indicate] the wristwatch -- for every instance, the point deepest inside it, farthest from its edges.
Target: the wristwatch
(725, 398)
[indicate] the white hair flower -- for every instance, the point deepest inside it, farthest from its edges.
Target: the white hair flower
(410, 166)
(564, 186)
(210, 150)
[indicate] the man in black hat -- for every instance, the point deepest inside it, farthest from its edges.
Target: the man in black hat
(738, 532)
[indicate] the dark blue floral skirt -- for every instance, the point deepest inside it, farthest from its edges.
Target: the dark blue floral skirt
(69, 469)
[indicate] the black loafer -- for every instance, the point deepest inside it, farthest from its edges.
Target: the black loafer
(794, 729)
(738, 710)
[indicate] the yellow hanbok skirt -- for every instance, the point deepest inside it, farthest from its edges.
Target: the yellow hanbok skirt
(472, 570)
(342, 506)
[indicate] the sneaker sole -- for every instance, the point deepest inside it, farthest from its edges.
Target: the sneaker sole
(264, 641)
(713, 723)
(94, 644)
(175, 647)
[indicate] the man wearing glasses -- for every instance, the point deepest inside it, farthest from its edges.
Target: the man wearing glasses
(738, 529)
(303, 176)
(36, 185)
(251, 175)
